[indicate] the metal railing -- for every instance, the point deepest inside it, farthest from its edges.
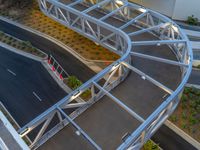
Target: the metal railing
(118, 41)
(57, 68)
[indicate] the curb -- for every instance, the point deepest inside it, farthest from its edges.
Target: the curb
(42, 61)
(61, 84)
(11, 117)
(20, 52)
(182, 134)
(193, 85)
(58, 81)
(89, 63)
(196, 69)
(5, 109)
(196, 63)
(187, 26)
(13, 133)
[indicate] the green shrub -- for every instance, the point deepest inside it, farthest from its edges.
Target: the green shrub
(184, 105)
(1, 33)
(184, 98)
(184, 116)
(73, 82)
(173, 118)
(86, 94)
(192, 20)
(184, 126)
(192, 120)
(149, 145)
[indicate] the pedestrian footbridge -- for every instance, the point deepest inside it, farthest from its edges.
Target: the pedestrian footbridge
(130, 99)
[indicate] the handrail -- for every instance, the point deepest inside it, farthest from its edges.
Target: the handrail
(151, 124)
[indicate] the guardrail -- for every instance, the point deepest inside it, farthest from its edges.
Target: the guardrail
(57, 68)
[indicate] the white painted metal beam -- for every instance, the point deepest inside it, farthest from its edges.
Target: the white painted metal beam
(133, 20)
(162, 25)
(130, 111)
(145, 76)
(95, 6)
(74, 3)
(172, 62)
(157, 42)
(79, 129)
(113, 12)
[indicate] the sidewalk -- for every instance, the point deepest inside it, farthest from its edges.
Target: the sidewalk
(194, 37)
(195, 77)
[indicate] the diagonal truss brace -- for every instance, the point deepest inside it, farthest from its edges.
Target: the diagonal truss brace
(113, 12)
(133, 20)
(74, 105)
(95, 6)
(74, 3)
(130, 111)
(162, 25)
(79, 129)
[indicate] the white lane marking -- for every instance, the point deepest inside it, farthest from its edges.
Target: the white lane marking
(164, 95)
(37, 96)
(14, 74)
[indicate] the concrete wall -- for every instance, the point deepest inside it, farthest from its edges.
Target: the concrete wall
(163, 6)
(176, 9)
(185, 8)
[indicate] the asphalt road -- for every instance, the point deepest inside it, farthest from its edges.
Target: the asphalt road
(169, 140)
(72, 65)
(195, 77)
(26, 88)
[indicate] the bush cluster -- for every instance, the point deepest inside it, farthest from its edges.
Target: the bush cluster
(73, 82)
(192, 20)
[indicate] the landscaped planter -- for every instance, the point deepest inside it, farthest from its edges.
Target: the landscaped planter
(187, 114)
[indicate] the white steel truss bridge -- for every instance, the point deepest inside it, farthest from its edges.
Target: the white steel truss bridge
(131, 98)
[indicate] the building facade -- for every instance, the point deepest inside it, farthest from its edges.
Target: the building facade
(176, 9)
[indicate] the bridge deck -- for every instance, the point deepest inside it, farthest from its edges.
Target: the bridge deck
(105, 122)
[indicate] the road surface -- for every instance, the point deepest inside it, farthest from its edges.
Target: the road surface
(195, 77)
(26, 87)
(71, 64)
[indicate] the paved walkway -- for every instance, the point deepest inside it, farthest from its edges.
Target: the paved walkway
(195, 77)
(142, 96)
(138, 94)
(194, 37)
